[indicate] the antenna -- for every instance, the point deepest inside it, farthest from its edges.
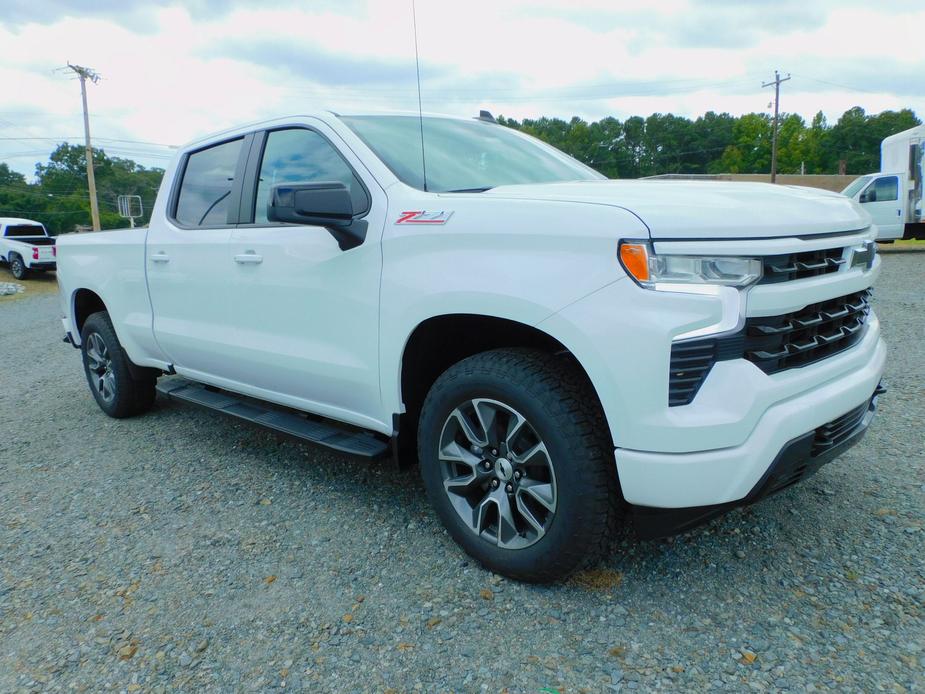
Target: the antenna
(417, 68)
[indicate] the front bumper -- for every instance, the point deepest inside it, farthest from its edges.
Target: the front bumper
(797, 460)
(667, 479)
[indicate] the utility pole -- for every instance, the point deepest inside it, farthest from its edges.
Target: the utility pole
(85, 73)
(776, 82)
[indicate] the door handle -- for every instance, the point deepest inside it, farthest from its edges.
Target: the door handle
(160, 258)
(249, 258)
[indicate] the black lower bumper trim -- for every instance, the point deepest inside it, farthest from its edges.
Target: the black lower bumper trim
(796, 461)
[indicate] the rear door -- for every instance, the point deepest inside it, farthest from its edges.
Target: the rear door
(306, 313)
(883, 200)
(187, 264)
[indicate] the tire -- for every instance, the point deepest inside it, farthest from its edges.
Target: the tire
(108, 372)
(18, 267)
(564, 498)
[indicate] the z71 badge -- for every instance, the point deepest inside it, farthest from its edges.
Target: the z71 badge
(423, 217)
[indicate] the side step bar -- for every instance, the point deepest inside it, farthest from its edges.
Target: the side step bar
(359, 443)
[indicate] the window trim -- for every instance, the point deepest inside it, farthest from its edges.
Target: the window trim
(247, 209)
(232, 217)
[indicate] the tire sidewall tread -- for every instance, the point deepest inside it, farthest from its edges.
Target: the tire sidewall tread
(133, 396)
(552, 393)
(17, 261)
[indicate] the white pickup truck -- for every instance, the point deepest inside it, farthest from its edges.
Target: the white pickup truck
(560, 352)
(26, 247)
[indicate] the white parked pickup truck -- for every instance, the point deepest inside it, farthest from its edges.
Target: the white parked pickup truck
(560, 352)
(26, 247)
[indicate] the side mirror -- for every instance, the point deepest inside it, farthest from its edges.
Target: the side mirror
(320, 203)
(868, 196)
(326, 203)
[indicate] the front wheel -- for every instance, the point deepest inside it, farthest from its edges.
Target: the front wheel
(18, 267)
(517, 462)
(108, 373)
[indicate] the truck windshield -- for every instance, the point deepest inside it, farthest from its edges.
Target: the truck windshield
(463, 155)
(855, 186)
(25, 230)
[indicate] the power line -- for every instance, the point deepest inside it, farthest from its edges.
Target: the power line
(103, 139)
(837, 84)
(118, 151)
(40, 213)
(45, 193)
(625, 90)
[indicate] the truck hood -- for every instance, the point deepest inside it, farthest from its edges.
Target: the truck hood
(709, 209)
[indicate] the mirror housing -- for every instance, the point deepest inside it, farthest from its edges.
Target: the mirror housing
(869, 195)
(325, 203)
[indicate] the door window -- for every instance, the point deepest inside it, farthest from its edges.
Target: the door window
(884, 189)
(205, 189)
(303, 156)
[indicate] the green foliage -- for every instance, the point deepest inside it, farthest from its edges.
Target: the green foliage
(59, 197)
(721, 143)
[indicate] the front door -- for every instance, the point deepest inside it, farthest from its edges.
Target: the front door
(884, 202)
(187, 264)
(306, 313)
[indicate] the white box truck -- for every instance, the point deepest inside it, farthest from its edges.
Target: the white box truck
(894, 197)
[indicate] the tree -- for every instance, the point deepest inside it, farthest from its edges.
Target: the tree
(712, 133)
(791, 144)
(856, 137)
(721, 143)
(751, 148)
(10, 178)
(59, 197)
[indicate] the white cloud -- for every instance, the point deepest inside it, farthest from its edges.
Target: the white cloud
(172, 74)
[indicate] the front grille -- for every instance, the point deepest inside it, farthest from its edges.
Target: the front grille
(773, 344)
(797, 266)
(815, 332)
(835, 432)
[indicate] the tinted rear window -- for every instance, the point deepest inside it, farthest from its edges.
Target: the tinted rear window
(25, 230)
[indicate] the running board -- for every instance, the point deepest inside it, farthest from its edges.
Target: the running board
(359, 443)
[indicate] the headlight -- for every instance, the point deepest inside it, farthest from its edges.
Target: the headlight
(652, 270)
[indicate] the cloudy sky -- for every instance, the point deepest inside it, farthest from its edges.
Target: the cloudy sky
(175, 70)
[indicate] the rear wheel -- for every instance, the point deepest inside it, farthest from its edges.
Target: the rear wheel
(18, 267)
(109, 376)
(517, 462)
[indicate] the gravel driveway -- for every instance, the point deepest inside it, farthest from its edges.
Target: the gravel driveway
(185, 551)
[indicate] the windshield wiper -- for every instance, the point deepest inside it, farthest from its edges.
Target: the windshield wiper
(470, 190)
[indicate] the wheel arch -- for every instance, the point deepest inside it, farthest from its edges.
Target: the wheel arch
(84, 303)
(440, 341)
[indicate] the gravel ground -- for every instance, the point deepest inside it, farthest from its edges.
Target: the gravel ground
(184, 551)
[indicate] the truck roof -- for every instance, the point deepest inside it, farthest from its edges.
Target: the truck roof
(17, 220)
(325, 115)
(917, 131)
